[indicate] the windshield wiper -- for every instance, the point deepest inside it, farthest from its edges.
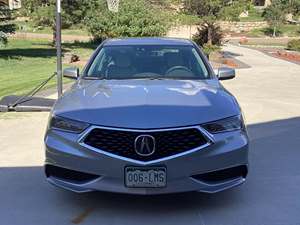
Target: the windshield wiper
(93, 78)
(157, 78)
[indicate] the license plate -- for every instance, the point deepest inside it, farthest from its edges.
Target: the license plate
(139, 177)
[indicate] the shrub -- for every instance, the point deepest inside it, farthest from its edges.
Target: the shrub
(136, 18)
(269, 31)
(201, 37)
(294, 45)
(209, 48)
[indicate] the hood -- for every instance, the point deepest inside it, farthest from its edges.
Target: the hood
(146, 104)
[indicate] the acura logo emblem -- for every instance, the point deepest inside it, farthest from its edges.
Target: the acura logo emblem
(144, 145)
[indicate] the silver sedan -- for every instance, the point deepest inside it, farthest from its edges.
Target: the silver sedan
(147, 116)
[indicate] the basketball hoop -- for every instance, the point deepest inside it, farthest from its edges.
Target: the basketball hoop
(113, 5)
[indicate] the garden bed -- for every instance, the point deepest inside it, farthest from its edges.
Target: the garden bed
(228, 59)
(291, 56)
(287, 55)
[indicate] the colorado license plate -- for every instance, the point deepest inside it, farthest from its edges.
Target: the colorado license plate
(139, 177)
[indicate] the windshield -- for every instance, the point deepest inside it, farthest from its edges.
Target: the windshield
(152, 62)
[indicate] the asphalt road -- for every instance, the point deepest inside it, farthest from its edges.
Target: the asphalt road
(269, 93)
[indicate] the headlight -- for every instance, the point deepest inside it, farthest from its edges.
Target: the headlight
(228, 124)
(68, 125)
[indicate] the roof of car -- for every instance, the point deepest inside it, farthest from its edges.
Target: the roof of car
(147, 41)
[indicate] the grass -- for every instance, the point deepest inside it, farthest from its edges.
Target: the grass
(284, 30)
(253, 16)
(290, 30)
(26, 63)
(23, 26)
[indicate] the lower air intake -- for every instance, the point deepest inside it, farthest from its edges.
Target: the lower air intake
(69, 175)
(223, 175)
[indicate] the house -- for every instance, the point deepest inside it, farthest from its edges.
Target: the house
(12, 4)
(262, 3)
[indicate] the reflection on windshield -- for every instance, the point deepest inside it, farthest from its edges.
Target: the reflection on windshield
(147, 62)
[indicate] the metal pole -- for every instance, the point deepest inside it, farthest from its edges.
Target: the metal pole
(190, 23)
(58, 48)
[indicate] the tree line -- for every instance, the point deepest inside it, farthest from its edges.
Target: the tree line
(144, 17)
(135, 17)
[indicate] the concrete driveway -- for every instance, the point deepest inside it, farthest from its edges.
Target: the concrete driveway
(269, 93)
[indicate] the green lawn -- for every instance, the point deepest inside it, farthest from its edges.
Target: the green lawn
(284, 30)
(253, 16)
(30, 28)
(26, 63)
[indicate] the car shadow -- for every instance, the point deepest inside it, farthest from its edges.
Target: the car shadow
(44, 50)
(270, 195)
(19, 53)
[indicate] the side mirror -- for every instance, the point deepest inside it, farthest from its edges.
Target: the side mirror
(72, 73)
(225, 73)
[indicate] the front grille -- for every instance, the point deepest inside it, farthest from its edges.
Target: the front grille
(168, 142)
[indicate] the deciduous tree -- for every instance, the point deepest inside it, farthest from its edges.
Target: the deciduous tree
(74, 12)
(136, 18)
(275, 14)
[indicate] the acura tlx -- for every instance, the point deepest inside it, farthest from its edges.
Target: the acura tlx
(147, 116)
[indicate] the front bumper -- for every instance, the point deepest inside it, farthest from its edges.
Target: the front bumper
(229, 150)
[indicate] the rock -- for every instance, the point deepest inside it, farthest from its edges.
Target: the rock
(70, 58)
